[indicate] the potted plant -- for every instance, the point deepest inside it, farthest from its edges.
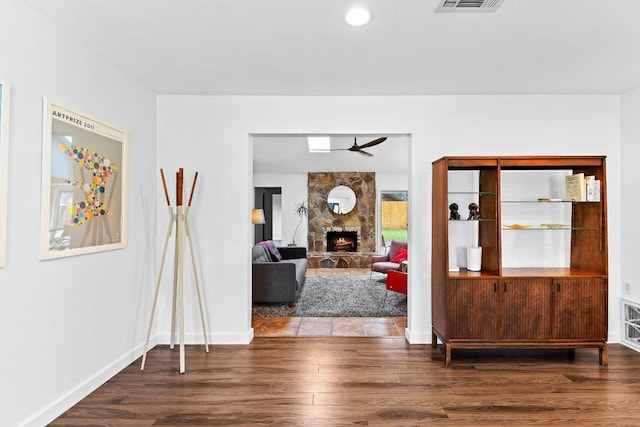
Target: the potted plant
(301, 210)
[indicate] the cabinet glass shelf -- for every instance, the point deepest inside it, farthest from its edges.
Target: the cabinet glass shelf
(548, 202)
(473, 220)
(550, 228)
(480, 193)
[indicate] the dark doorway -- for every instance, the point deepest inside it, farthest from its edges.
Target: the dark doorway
(264, 201)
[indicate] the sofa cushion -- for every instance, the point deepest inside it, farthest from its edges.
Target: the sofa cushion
(273, 251)
(301, 269)
(402, 255)
(260, 254)
(385, 266)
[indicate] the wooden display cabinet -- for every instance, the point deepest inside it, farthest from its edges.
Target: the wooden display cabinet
(542, 284)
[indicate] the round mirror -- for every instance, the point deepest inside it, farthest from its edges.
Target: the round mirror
(341, 200)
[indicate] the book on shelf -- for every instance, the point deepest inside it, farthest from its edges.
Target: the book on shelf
(576, 187)
(593, 190)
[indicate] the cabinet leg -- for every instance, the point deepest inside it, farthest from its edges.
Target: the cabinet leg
(604, 355)
(447, 355)
(434, 340)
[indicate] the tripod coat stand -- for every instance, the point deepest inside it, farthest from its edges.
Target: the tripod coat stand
(179, 216)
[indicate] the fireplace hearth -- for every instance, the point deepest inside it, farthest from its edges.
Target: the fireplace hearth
(342, 241)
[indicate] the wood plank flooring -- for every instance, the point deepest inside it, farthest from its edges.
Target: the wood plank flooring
(365, 381)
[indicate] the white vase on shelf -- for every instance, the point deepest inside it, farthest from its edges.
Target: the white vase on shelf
(474, 259)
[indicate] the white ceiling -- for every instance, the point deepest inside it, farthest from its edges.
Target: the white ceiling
(290, 154)
(303, 47)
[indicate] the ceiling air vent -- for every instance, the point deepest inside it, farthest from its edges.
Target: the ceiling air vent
(468, 5)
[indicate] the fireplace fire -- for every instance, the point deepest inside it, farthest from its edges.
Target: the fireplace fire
(342, 241)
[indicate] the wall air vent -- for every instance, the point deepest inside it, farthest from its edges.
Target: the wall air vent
(468, 5)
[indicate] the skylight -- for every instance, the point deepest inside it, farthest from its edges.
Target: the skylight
(319, 144)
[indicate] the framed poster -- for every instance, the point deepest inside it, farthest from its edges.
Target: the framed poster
(84, 184)
(4, 163)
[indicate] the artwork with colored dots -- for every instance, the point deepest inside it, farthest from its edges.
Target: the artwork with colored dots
(84, 184)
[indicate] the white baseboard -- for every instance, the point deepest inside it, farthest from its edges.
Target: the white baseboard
(57, 408)
(614, 338)
(213, 339)
(417, 337)
(233, 338)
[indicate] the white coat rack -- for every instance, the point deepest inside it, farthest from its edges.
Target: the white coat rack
(180, 216)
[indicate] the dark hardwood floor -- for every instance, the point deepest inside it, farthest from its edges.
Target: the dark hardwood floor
(366, 381)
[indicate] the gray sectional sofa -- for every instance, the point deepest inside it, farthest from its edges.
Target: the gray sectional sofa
(278, 273)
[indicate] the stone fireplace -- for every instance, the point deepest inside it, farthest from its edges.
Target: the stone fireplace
(342, 241)
(323, 222)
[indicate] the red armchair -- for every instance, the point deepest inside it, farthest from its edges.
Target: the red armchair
(385, 263)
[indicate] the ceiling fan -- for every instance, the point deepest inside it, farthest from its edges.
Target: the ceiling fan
(359, 148)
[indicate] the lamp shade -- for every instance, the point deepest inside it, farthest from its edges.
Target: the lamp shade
(257, 216)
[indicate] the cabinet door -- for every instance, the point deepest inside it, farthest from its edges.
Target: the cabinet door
(473, 309)
(580, 309)
(526, 309)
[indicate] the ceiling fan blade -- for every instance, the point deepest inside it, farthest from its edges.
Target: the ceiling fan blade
(358, 148)
(374, 142)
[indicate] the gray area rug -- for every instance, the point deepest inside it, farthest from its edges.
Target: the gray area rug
(340, 296)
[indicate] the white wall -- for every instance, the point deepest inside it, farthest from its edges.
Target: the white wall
(392, 182)
(68, 324)
(294, 191)
(219, 129)
(628, 213)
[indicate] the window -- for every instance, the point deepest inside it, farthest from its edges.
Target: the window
(394, 215)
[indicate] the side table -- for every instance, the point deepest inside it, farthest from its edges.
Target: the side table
(397, 281)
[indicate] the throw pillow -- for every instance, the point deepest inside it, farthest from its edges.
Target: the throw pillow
(274, 251)
(402, 255)
(260, 253)
(275, 254)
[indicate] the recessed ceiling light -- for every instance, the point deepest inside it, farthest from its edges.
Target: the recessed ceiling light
(357, 17)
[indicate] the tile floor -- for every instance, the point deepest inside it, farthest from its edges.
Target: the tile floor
(330, 326)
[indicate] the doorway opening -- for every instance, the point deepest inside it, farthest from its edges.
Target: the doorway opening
(285, 162)
(269, 199)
